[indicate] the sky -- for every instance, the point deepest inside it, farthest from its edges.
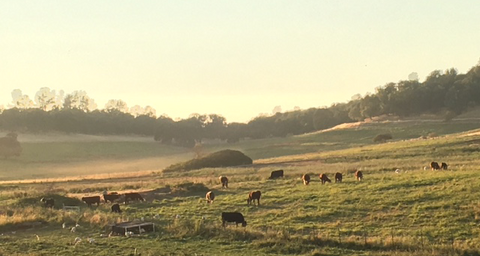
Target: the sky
(237, 59)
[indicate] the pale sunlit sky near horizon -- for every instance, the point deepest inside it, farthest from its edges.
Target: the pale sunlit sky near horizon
(233, 58)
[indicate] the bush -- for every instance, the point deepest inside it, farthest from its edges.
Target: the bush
(223, 158)
(382, 137)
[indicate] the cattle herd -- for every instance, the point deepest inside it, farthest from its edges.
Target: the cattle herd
(227, 217)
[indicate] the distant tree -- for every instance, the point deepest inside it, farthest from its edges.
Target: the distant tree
(20, 100)
(323, 119)
(79, 100)
(118, 105)
(46, 99)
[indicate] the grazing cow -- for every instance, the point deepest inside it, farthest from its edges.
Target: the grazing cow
(276, 174)
(359, 175)
(224, 181)
(324, 178)
(91, 200)
(111, 197)
(444, 166)
(133, 197)
(210, 196)
(306, 179)
(233, 217)
(48, 202)
(434, 166)
(116, 208)
(254, 195)
(338, 177)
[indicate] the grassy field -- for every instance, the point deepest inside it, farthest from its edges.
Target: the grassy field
(409, 212)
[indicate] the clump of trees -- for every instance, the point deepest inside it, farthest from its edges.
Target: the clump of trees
(76, 112)
(9, 146)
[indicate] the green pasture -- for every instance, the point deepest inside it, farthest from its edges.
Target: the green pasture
(410, 211)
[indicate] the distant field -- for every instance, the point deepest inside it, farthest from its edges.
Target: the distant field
(411, 211)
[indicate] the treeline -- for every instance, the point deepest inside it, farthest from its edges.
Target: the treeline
(439, 92)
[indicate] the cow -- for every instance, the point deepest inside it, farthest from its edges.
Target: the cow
(210, 196)
(224, 181)
(254, 195)
(306, 179)
(111, 197)
(358, 175)
(235, 217)
(89, 200)
(276, 174)
(133, 197)
(116, 208)
(338, 177)
(434, 166)
(48, 202)
(444, 166)
(324, 178)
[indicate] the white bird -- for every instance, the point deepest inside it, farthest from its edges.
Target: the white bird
(76, 225)
(142, 230)
(38, 238)
(128, 233)
(177, 216)
(91, 240)
(73, 229)
(77, 240)
(64, 225)
(397, 171)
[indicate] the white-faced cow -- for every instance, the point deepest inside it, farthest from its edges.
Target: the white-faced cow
(324, 178)
(306, 179)
(48, 202)
(359, 175)
(210, 196)
(254, 195)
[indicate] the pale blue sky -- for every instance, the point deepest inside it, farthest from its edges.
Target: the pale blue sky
(234, 58)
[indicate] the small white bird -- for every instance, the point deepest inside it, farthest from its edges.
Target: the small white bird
(38, 238)
(397, 171)
(64, 225)
(73, 229)
(77, 240)
(91, 240)
(128, 233)
(177, 216)
(76, 225)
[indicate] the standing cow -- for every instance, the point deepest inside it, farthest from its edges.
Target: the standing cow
(133, 197)
(235, 217)
(254, 195)
(276, 174)
(111, 197)
(324, 178)
(89, 200)
(224, 181)
(338, 177)
(210, 196)
(306, 179)
(359, 175)
(434, 166)
(444, 166)
(48, 202)
(116, 208)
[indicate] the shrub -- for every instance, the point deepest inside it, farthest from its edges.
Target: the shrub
(223, 158)
(382, 137)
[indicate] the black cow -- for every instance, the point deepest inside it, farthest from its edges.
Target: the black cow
(116, 208)
(338, 177)
(324, 178)
(224, 181)
(133, 197)
(254, 195)
(444, 166)
(111, 197)
(48, 202)
(235, 217)
(434, 166)
(91, 200)
(306, 179)
(210, 196)
(276, 174)
(359, 175)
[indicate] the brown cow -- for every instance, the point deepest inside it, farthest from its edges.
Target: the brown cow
(133, 197)
(254, 195)
(91, 200)
(306, 179)
(210, 196)
(111, 197)
(324, 178)
(338, 177)
(444, 166)
(224, 181)
(359, 175)
(434, 166)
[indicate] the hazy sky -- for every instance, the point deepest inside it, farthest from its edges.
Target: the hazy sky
(233, 58)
